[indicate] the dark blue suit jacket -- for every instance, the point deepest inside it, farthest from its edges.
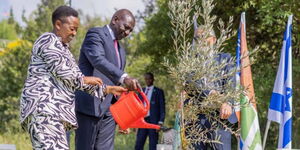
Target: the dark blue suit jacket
(219, 85)
(98, 58)
(157, 106)
(221, 57)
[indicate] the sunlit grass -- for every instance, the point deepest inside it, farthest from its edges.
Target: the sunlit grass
(22, 141)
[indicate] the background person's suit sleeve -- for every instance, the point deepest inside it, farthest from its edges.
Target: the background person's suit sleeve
(94, 50)
(162, 106)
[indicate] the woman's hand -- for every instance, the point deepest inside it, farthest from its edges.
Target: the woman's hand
(92, 81)
(115, 90)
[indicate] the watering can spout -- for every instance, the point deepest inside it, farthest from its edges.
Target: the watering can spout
(141, 123)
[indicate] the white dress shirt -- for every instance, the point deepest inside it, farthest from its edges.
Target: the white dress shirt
(148, 92)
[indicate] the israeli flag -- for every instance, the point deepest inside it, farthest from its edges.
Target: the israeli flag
(280, 109)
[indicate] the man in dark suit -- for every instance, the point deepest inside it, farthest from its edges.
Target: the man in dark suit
(102, 56)
(226, 111)
(156, 115)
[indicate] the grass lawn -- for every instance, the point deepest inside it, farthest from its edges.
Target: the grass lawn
(22, 141)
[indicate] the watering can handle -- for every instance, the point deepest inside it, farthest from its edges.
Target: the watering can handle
(145, 99)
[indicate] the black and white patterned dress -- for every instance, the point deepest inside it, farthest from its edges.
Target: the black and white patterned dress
(53, 76)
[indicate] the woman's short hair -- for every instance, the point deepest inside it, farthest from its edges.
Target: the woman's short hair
(62, 12)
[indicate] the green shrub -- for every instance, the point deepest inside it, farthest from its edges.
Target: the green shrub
(14, 62)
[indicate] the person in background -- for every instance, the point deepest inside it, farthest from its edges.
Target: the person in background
(156, 114)
(47, 101)
(226, 109)
(102, 56)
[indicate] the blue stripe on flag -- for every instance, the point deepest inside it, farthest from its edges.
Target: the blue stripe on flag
(238, 48)
(287, 132)
(238, 52)
(276, 102)
(241, 144)
(238, 73)
(287, 51)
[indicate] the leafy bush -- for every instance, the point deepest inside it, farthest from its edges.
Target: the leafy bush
(14, 63)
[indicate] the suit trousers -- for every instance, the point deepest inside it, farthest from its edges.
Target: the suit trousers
(142, 136)
(95, 133)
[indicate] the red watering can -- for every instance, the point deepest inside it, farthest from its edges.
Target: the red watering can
(129, 111)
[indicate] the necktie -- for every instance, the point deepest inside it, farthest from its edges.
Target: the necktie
(117, 53)
(147, 90)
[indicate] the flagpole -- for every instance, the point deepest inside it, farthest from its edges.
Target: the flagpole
(266, 133)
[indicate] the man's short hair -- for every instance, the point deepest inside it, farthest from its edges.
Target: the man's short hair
(62, 12)
(149, 74)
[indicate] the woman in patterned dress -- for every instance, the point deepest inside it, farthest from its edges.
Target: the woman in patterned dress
(47, 100)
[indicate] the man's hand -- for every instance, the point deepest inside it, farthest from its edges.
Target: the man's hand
(127, 131)
(160, 124)
(131, 83)
(92, 81)
(115, 90)
(225, 111)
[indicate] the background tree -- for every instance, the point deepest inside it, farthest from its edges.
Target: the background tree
(14, 61)
(7, 31)
(157, 39)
